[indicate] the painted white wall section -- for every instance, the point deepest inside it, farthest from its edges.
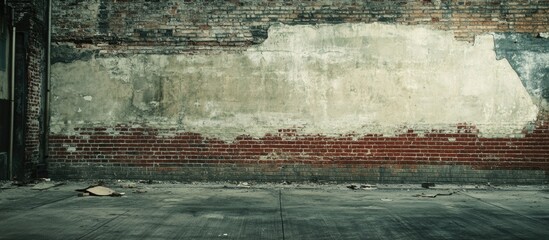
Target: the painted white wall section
(326, 79)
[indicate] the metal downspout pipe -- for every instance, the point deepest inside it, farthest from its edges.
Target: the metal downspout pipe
(45, 139)
(12, 101)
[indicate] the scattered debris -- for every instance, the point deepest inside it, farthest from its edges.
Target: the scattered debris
(363, 187)
(129, 185)
(84, 194)
(140, 191)
(243, 185)
(286, 183)
(427, 185)
(146, 181)
(433, 195)
(352, 186)
(223, 235)
(46, 185)
(386, 199)
(98, 190)
(368, 187)
(426, 195)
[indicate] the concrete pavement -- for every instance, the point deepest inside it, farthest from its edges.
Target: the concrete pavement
(275, 211)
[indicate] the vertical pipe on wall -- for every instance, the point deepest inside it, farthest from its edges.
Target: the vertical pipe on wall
(47, 85)
(12, 107)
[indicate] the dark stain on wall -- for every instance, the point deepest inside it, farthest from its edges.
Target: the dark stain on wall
(529, 57)
(62, 53)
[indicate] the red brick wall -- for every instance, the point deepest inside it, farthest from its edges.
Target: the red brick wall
(141, 152)
(124, 151)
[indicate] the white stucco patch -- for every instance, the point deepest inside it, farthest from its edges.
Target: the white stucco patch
(328, 79)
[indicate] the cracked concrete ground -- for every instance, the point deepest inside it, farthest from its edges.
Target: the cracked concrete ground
(275, 211)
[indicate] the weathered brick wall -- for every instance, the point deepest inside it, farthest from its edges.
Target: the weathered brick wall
(460, 157)
(102, 28)
(146, 26)
(34, 13)
(35, 100)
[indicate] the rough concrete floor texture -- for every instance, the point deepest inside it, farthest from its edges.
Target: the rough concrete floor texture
(275, 211)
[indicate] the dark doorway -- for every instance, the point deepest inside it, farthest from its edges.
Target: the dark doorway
(20, 117)
(13, 92)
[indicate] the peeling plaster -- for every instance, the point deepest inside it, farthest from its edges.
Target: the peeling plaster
(324, 79)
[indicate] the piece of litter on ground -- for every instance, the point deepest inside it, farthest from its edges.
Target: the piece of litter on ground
(131, 185)
(362, 186)
(426, 195)
(433, 195)
(146, 181)
(83, 194)
(368, 187)
(117, 194)
(243, 184)
(386, 199)
(352, 187)
(100, 191)
(427, 185)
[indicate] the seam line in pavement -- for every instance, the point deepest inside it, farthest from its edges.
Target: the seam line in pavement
(504, 208)
(280, 208)
(100, 226)
(52, 202)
